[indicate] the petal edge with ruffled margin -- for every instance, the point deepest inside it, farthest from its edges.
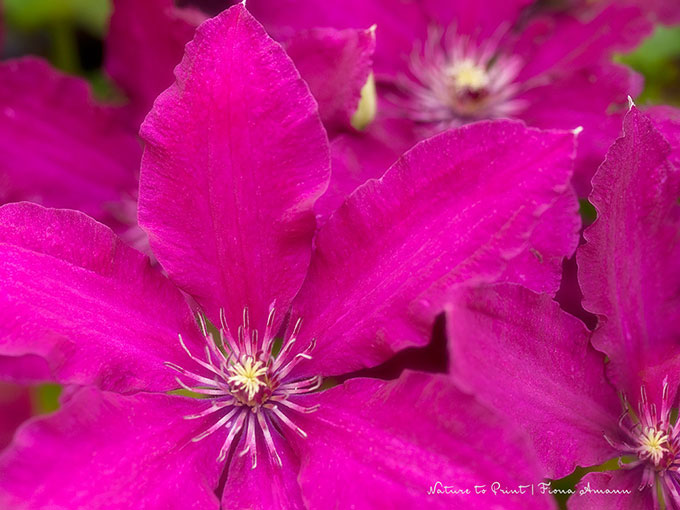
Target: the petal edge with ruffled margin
(461, 205)
(94, 308)
(107, 451)
(594, 99)
(235, 158)
(629, 267)
(521, 354)
(59, 147)
(378, 444)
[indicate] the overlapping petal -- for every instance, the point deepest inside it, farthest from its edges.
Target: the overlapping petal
(399, 24)
(461, 205)
(559, 43)
(145, 41)
(562, 102)
(58, 146)
(377, 444)
(15, 407)
(478, 20)
(94, 308)
(336, 65)
(520, 353)
(629, 266)
(236, 156)
(107, 451)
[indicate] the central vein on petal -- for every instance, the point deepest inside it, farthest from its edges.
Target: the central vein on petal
(248, 387)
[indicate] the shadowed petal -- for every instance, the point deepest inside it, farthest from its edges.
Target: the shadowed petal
(59, 147)
(477, 19)
(73, 293)
(15, 408)
(106, 451)
(520, 353)
(567, 43)
(461, 205)
(399, 23)
(377, 444)
(629, 268)
(145, 42)
(335, 64)
(236, 156)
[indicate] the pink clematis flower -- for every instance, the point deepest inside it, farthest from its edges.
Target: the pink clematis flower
(446, 63)
(630, 276)
(236, 156)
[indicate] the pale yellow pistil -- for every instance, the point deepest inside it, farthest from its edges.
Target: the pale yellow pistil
(248, 375)
(467, 75)
(652, 444)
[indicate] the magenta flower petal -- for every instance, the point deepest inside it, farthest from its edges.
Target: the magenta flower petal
(357, 455)
(548, 247)
(424, 226)
(564, 103)
(625, 496)
(145, 42)
(231, 171)
(479, 20)
(58, 146)
(267, 486)
(397, 25)
(666, 120)
(533, 362)
(629, 270)
(93, 307)
(566, 43)
(359, 156)
(335, 64)
(107, 451)
(15, 408)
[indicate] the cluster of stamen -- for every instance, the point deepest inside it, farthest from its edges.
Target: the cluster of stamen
(454, 80)
(249, 388)
(652, 443)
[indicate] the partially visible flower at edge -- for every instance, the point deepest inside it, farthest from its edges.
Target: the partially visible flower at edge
(630, 276)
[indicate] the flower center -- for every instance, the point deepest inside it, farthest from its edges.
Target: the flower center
(454, 80)
(654, 443)
(467, 75)
(248, 376)
(248, 387)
